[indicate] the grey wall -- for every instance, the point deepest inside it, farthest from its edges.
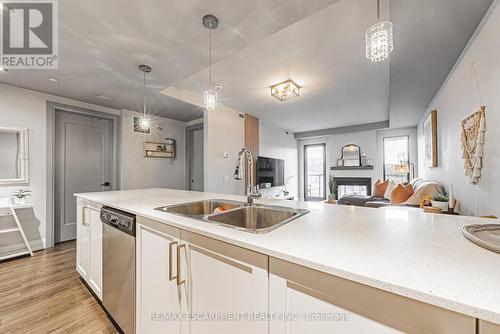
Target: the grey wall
(138, 171)
(459, 97)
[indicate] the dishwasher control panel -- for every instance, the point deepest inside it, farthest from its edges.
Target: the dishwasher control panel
(118, 219)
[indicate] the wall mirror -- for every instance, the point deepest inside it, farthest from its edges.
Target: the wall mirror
(351, 155)
(14, 153)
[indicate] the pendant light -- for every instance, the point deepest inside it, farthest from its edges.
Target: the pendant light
(145, 120)
(379, 39)
(210, 95)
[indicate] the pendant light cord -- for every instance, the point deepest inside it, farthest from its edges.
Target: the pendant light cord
(210, 57)
(144, 95)
(378, 10)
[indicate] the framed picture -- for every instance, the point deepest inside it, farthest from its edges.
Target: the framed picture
(430, 140)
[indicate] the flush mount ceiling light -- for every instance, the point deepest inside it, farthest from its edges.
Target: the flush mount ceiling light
(145, 121)
(210, 95)
(285, 90)
(379, 39)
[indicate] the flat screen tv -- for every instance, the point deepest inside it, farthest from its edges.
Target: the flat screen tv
(270, 172)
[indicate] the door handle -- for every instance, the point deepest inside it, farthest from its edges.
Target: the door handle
(179, 281)
(170, 247)
(106, 184)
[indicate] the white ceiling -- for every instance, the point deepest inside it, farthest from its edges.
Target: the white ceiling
(319, 44)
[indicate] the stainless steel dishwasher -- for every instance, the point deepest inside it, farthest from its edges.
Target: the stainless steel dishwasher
(118, 267)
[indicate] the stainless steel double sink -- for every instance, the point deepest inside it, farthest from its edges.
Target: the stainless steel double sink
(255, 219)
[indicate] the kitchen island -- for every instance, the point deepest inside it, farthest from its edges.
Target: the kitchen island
(393, 271)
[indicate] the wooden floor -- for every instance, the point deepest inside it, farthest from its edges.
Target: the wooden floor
(43, 294)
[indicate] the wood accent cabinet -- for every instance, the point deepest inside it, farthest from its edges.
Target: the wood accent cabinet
(89, 245)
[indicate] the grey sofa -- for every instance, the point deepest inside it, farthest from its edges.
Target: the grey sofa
(368, 201)
(377, 202)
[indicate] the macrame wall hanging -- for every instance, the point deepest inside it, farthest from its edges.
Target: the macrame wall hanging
(473, 129)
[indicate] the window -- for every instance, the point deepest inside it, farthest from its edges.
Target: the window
(396, 152)
(315, 171)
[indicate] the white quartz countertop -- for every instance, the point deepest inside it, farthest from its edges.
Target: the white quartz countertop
(410, 253)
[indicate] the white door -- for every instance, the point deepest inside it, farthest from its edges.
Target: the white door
(158, 299)
(218, 283)
(83, 163)
(196, 160)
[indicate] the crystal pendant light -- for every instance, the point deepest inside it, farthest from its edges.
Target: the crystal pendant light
(210, 95)
(379, 39)
(145, 120)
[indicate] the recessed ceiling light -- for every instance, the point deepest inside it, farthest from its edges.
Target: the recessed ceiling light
(285, 90)
(53, 79)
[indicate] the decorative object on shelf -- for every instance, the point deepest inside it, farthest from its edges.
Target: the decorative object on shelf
(351, 155)
(166, 149)
(440, 201)
(430, 140)
(473, 130)
(379, 39)
(210, 95)
(14, 143)
(19, 197)
(363, 159)
(285, 90)
(340, 162)
(369, 162)
(143, 123)
(332, 185)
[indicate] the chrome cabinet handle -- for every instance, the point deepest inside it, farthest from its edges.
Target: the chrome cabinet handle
(170, 247)
(84, 216)
(179, 281)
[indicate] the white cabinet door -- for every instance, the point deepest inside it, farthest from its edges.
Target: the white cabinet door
(227, 281)
(158, 299)
(308, 312)
(83, 241)
(95, 277)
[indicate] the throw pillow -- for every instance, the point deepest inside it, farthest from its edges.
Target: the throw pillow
(401, 193)
(389, 189)
(380, 188)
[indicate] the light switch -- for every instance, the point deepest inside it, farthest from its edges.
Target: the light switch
(226, 179)
(226, 155)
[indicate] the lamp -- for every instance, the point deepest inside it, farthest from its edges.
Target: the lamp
(144, 121)
(404, 168)
(379, 39)
(210, 96)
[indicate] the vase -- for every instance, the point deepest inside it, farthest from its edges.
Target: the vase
(19, 201)
(442, 205)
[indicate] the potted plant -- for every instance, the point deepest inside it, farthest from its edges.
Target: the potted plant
(331, 187)
(440, 201)
(20, 196)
